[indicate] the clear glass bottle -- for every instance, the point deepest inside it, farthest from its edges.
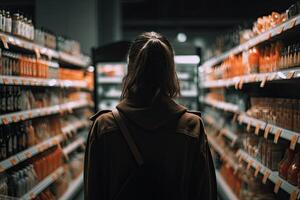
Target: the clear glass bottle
(8, 23)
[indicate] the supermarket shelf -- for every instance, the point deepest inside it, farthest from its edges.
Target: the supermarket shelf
(210, 120)
(273, 177)
(34, 192)
(74, 187)
(15, 80)
(30, 152)
(74, 145)
(222, 153)
(110, 80)
(189, 93)
(284, 133)
(113, 94)
(221, 105)
(291, 23)
(229, 134)
(292, 73)
(223, 188)
(39, 112)
(7, 39)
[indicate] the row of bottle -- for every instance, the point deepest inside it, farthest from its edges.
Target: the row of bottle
(18, 98)
(17, 137)
(270, 58)
(277, 157)
(22, 65)
(278, 111)
(16, 24)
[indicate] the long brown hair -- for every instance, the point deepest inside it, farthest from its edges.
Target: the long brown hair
(151, 68)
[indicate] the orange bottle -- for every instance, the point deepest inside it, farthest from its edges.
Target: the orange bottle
(294, 169)
(285, 163)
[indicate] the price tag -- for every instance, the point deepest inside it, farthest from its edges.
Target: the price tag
(266, 176)
(290, 74)
(241, 83)
(292, 24)
(277, 135)
(37, 53)
(234, 118)
(257, 169)
(240, 119)
(257, 129)
(4, 41)
(13, 161)
(280, 30)
(240, 158)
(15, 81)
(28, 154)
(263, 82)
(22, 117)
(267, 131)
(5, 121)
(248, 126)
(294, 141)
(237, 154)
(31, 195)
(250, 162)
(14, 118)
(5, 81)
(277, 186)
(236, 85)
(294, 195)
(30, 115)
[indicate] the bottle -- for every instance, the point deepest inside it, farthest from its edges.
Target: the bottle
(285, 163)
(294, 169)
(3, 21)
(8, 23)
(15, 24)
(1, 17)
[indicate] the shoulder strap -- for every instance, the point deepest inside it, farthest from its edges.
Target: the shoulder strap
(132, 145)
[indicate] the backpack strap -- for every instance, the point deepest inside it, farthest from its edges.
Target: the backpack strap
(132, 145)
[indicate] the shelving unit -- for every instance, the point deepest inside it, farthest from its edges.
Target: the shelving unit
(267, 35)
(243, 91)
(71, 114)
(80, 60)
(272, 175)
(39, 112)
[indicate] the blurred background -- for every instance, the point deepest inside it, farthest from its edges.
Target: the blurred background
(63, 60)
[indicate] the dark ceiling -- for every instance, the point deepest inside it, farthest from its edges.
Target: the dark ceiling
(205, 13)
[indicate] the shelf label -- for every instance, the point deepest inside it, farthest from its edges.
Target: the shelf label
(263, 82)
(294, 195)
(257, 169)
(241, 83)
(277, 186)
(266, 176)
(248, 126)
(257, 129)
(5, 81)
(250, 162)
(5, 120)
(293, 143)
(15, 81)
(28, 154)
(37, 52)
(30, 115)
(14, 118)
(22, 117)
(13, 161)
(240, 158)
(31, 195)
(236, 85)
(290, 75)
(267, 131)
(4, 41)
(277, 135)
(234, 118)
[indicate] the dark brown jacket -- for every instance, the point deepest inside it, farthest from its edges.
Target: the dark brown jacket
(172, 141)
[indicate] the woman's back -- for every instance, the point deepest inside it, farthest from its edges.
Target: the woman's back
(176, 159)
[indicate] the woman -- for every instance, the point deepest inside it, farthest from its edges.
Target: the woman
(150, 148)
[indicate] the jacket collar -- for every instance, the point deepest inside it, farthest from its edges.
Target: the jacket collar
(151, 116)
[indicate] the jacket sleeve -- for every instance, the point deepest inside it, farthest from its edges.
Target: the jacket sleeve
(94, 171)
(203, 184)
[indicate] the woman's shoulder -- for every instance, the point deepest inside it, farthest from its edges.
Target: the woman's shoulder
(191, 122)
(104, 120)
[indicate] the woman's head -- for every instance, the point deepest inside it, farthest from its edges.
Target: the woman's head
(151, 68)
